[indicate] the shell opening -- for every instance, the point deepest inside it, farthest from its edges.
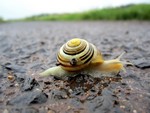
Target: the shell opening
(73, 61)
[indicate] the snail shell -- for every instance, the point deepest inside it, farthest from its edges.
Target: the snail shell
(77, 54)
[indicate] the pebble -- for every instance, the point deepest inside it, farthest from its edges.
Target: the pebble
(69, 107)
(134, 111)
(5, 111)
(10, 77)
(122, 107)
(50, 111)
(16, 85)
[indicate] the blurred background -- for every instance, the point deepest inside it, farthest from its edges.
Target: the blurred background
(29, 10)
(27, 48)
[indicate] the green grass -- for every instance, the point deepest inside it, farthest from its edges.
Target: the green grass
(130, 12)
(1, 20)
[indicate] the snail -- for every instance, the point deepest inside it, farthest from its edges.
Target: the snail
(80, 56)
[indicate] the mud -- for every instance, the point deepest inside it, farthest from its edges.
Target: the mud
(28, 48)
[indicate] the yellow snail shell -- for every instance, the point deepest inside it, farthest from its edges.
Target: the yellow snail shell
(79, 56)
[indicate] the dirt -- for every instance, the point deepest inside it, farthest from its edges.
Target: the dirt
(28, 48)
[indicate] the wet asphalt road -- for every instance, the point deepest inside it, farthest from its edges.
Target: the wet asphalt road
(27, 48)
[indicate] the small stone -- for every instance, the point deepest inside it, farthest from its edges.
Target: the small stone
(50, 111)
(5, 111)
(10, 77)
(134, 111)
(69, 107)
(122, 107)
(16, 85)
(70, 91)
(37, 89)
(141, 96)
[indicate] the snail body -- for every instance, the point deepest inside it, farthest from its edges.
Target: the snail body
(79, 56)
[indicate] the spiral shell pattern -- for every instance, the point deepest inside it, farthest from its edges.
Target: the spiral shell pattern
(76, 54)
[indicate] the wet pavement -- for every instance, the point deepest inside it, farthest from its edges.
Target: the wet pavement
(28, 48)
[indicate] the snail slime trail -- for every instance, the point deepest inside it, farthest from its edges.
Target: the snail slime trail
(79, 56)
